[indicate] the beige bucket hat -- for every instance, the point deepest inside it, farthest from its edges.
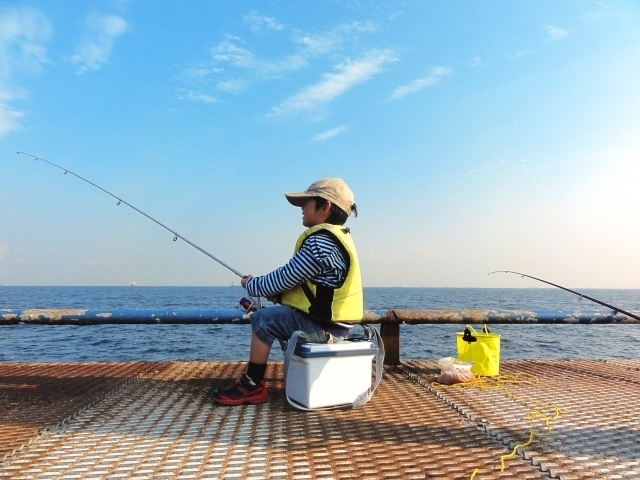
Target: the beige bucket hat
(333, 189)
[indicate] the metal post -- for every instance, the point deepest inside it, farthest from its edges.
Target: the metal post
(390, 333)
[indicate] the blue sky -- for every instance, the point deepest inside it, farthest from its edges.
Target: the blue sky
(477, 136)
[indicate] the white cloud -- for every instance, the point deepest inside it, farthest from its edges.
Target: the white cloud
(23, 35)
(231, 86)
(4, 250)
(476, 62)
(598, 15)
(8, 115)
(319, 44)
(333, 85)
(358, 27)
(259, 22)
(234, 66)
(331, 133)
(198, 73)
(197, 97)
(331, 40)
(434, 77)
(95, 50)
(555, 33)
(521, 53)
(8, 118)
(229, 52)
(289, 63)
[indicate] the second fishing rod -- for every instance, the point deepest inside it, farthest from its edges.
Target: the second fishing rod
(580, 295)
(176, 235)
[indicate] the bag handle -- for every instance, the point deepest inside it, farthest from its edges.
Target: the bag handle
(364, 398)
(485, 329)
(468, 336)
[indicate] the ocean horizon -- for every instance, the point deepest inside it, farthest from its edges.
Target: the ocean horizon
(45, 343)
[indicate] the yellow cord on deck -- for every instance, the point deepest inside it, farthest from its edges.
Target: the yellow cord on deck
(498, 383)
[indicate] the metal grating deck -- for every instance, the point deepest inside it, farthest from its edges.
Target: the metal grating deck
(37, 395)
(598, 437)
(153, 420)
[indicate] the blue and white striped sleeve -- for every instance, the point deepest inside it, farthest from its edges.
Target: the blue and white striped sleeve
(318, 256)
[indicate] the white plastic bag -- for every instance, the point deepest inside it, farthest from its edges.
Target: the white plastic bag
(453, 371)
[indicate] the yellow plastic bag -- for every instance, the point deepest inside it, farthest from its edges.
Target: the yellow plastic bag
(483, 349)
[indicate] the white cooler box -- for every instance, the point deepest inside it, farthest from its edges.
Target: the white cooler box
(322, 375)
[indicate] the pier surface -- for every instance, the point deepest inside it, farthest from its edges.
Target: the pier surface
(153, 420)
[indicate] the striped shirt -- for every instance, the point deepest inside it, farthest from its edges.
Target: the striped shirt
(320, 259)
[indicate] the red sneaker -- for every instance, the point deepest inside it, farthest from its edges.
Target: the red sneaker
(242, 391)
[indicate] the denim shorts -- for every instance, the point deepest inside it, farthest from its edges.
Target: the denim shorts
(279, 323)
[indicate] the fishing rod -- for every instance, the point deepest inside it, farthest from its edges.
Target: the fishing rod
(176, 235)
(581, 295)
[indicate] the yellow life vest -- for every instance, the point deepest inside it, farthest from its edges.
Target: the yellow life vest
(341, 304)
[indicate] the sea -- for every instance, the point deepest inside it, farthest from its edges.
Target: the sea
(67, 343)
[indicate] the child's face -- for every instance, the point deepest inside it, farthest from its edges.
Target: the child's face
(312, 217)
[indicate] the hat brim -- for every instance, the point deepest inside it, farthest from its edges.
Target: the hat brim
(297, 199)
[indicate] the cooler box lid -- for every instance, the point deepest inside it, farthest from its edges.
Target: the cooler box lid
(340, 349)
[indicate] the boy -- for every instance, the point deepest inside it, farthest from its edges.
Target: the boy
(318, 289)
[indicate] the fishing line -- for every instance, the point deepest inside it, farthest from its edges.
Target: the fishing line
(176, 235)
(581, 295)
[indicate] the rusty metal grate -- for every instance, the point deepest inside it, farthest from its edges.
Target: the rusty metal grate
(150, 420)
(599, 435)
(161, 425)
(36, 396)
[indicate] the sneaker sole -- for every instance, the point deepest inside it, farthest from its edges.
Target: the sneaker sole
(240, 401)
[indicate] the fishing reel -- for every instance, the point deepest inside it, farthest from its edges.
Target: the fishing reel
(251, 304)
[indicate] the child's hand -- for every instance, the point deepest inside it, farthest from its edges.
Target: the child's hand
(245, 279)
(275, 298)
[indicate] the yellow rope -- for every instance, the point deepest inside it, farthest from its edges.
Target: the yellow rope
(518, 378)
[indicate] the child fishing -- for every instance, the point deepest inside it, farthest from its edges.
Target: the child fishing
(318, 291)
